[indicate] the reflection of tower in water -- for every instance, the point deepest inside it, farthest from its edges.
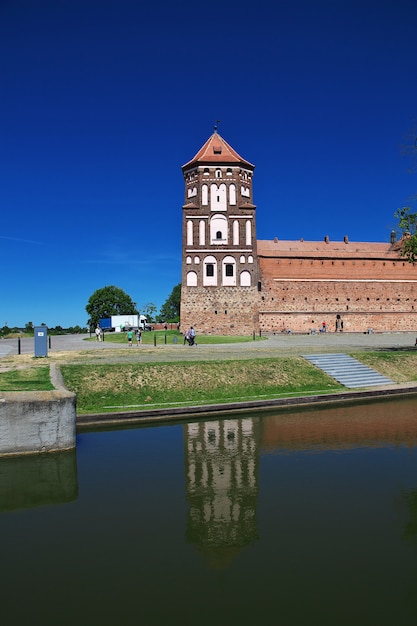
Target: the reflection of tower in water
(221, 464)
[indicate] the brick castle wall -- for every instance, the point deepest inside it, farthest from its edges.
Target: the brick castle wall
(299, 294)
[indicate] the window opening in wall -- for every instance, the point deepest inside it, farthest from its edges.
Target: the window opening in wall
(229, 269)
(225, 311)
(219, 234)
(209, 269)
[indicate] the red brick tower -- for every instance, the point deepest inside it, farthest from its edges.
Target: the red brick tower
(219, 258)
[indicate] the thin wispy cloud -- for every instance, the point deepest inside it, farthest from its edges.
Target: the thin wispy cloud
(20, 240)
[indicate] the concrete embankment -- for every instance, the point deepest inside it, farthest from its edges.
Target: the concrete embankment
(37, 421)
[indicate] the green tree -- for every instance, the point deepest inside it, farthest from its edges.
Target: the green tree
(407, 222)
(149, 310)
(170, 310)
(109, 301)
(29, 328)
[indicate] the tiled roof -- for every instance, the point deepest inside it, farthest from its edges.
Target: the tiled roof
(216, 150)
(333, 249)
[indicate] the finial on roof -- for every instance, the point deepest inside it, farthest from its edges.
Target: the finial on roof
(215, 125)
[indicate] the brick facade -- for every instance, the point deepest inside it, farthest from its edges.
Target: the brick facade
(233, 284)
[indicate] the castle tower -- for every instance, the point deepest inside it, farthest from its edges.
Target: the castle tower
(219, 257)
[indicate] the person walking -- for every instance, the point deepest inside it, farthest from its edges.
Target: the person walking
(98, 333)
(192, 337)
(138, 337)
(129, 338)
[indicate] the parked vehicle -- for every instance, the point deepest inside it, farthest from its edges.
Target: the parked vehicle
(122, 323)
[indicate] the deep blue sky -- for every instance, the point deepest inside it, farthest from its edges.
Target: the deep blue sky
(102, 101)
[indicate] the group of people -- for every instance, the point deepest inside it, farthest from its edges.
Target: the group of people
(338, 325)
(138, 335)
(189, 337)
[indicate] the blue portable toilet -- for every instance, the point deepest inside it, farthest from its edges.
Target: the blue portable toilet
(41, 341)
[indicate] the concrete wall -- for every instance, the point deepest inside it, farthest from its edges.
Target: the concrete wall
(38, 421)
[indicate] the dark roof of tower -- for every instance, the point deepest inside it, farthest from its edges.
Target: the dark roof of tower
(217, 151)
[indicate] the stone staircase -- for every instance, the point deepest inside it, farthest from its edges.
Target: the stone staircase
(347, 370)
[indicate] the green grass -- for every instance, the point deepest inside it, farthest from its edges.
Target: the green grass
(124, 387)
(399, 365)
(31, 379)
(149, 337)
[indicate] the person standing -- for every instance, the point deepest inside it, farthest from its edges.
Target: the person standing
(192, 336)
(98, 333)
(138, 337)
(129, 338)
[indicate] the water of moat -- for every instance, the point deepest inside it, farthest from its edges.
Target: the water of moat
(287, 518)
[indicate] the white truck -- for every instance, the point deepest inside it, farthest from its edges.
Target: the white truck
(120, 323)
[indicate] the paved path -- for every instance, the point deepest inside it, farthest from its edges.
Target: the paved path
(275, 345)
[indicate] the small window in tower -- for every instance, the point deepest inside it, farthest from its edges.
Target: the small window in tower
(209, 269)
(217, 149)
(219, 234)
(206, 171)
(229, 269)
(228, 171)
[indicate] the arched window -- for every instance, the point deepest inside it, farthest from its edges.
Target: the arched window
(202, 232)
(210, 271)
(232, 194)
(248, 233)
(189, 233)
(235, 233)
(229, 271)
(245, 280)
(218, 224)
(218, 173)
(204, 195)
(191, 279)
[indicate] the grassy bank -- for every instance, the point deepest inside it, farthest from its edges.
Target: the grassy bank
(398, 365)
(123, 387)
(105, 387)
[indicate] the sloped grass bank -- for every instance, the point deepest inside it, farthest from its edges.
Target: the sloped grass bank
(106, 388)
(399, 365)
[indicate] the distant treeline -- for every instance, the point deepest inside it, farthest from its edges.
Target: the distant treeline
(28, 329)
